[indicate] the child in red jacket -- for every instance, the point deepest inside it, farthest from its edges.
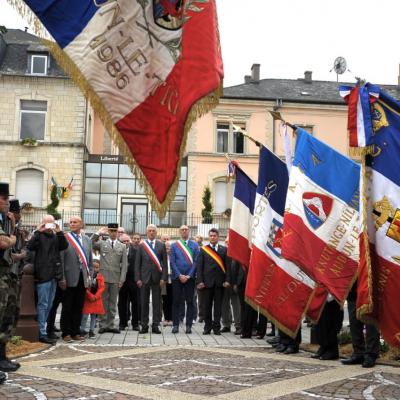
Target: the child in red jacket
(93, 301)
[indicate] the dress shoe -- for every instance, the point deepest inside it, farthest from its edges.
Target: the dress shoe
(92, 335)
(238, 331)
(273, 340)
(175, 329)
(7, 366)
(315, 356)
(155, 330)
(207, 332)
(78, 338)
(114, 330)
(271, 334)
(280, 348)
(122, 328)
(45, 339)
(188, 330)
(243, 336)
(67, 339)
(144, 329)
(368, 362)
(291, 350)
(3, 377)
(53, 336)
(225, 329)
(329, 355)
(217, 332)
(260, 337)
(82, 332)
(102, 330)
(135, 328)
(353, 360)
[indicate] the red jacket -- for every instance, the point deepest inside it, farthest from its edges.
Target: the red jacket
(94, 302)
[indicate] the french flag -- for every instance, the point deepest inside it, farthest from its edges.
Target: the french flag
(275, 287)
(242, 217)
(322, 220)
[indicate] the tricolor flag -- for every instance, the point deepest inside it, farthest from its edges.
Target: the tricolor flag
(275, 287)
(378, 291)
(322, 222)
(149, 68)
(241, 218)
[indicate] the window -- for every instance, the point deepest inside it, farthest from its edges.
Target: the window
(308, 128)
(230, 139)
(38, 64)
(223, 194)
(29, 188)
(33, 119)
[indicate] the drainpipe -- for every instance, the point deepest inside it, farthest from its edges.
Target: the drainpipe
(276, 107)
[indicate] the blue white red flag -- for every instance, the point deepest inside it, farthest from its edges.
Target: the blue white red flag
(276, 287)
(149, 68)
(241, 218)
(378, 291)
(322, 222)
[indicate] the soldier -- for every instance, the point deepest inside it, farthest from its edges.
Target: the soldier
(8, 295)
(113, 266)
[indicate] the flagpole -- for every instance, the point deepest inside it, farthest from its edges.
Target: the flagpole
(277, 115)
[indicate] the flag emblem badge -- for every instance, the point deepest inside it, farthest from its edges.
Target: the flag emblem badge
(274, 242)
(394, 228)
(168, 14)
(317, 208)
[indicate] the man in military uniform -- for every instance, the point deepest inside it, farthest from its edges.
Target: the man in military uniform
(8, 295)
(113, 266)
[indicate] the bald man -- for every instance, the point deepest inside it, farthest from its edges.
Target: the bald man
(77, 266)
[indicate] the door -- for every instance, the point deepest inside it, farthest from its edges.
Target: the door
(134, 217)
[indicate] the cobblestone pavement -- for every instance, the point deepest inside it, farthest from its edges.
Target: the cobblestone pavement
(88, 371)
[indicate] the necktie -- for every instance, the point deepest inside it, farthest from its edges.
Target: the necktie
(112, 243)
(152, 245)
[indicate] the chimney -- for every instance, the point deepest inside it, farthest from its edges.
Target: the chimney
(255, 73)
(308, 76)
(26, 29)
(247, 78)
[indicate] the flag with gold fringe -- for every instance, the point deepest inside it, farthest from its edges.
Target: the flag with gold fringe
(149, 69)
(374, 118)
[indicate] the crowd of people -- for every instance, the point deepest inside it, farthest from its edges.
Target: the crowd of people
(94, 278)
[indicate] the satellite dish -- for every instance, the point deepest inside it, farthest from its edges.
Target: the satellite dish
(340, 65)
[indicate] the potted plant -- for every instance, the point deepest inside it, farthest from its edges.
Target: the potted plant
(52, 207)
(29, 142)
(206, 214)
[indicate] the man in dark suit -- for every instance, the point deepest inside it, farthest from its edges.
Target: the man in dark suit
(213, 275)
(129, 292)
(77, 264)
(151, 273)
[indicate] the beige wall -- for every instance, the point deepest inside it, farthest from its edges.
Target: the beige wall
(62, 151)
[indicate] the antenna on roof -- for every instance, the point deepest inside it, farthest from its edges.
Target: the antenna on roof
(26, 29)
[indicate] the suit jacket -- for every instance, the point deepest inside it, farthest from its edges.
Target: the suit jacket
(209, 272)
(238, 275)
(145, 268)
(72, 266)
(179, 263)
(130, 275)
(113, 261)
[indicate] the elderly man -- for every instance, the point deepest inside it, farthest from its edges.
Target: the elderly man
(183, 256)
(77, 264)
(47, 242)
(151, 273)
(113, 266)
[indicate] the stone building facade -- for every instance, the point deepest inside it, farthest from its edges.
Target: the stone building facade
(43, 123)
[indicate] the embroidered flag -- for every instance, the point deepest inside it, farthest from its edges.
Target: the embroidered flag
(321, 225)
(215, 256)
(152, 254)
(378, 290)
(185, 249)
(74, 241)
(149, 68)
(242, 218)
(275, 287)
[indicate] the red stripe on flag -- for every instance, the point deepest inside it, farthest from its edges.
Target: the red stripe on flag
(352, 117)
(238, 248)
(317, 259)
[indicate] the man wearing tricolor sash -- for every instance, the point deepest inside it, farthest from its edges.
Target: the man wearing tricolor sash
(213, 275)
(151, 273)
(183, 256)
(77, 264)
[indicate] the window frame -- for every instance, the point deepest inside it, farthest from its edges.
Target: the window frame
(46, 57)
(231, 134)
(22, 111)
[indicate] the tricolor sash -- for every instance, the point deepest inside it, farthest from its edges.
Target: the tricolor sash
(78, 247)
(215, 256)
(152, 254)
(185, 250)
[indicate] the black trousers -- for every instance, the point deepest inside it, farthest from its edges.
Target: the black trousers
(248, 315)
(167, 302)
(71, 314)
(328, 327)
(212, 298)
(51, 319)
(368, 346)
(129, 304)
(183, 293)
(145, 303)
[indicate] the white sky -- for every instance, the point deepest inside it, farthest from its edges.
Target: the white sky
(288, 37)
